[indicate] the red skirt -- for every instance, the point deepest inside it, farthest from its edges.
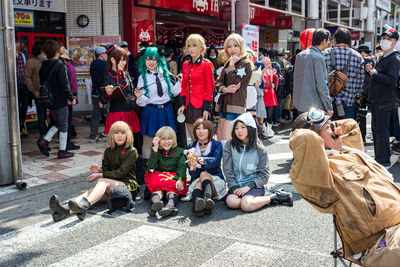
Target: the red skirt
(157, 181)
(270, 97)
(129, 117)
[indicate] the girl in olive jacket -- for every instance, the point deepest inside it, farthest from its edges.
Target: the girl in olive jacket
(167, 173)
(118, 169)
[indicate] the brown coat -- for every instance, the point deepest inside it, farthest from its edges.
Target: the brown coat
(359, 193)
(236, 102)
(32, 79)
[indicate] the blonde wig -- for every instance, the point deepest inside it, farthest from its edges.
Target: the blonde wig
(122, 127)
(198, 40)
(167, 132)
(237, 39)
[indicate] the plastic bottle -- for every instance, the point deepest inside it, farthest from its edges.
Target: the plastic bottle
(339, 107)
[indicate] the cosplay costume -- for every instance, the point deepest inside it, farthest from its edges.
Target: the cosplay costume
(120, 111)
(169, 168)
(156, 99)
(270, 82)
(197, 87)
(119, 164)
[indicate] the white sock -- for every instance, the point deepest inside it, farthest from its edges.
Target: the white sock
(50, 133)
(63, 140)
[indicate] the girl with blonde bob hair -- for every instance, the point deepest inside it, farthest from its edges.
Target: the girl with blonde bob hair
(238, 40)
(167, 173)
(197, 83)
(118, 169)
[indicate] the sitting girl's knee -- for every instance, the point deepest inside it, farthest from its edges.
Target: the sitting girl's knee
(204, 176)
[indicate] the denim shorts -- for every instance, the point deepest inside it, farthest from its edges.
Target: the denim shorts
(228, 116)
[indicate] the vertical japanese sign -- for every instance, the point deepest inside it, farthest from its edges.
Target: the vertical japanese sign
(251, 34)
(144, 32)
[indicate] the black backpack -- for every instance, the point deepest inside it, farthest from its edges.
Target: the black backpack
(120, 198)
(45, 96)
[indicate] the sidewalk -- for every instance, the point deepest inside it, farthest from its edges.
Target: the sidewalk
(38, 169)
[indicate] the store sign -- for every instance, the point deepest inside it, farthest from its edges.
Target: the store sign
(355, 35)
(283, 23)
(224, 10)
(43, 5)
(24, 19)
(262, 16)
(384, 4)
(144, 32)
(251, 34)
(203, 7)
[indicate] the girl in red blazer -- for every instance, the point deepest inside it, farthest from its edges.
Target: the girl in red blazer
(197, 83)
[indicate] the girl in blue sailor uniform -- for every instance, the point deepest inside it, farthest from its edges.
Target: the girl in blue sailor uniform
(154, 92)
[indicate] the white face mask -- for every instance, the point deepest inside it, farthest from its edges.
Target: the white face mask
(213, 57)
(379, 54)
(385, 44)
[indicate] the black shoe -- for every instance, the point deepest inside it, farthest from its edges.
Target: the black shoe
(59, 211)
(199, 206)
(63, 154)
(168, 210)
(386, 164)
(72, 146)
(43, 146)
(79, 208)
(209, 205)
(281, 197)
(155, 207)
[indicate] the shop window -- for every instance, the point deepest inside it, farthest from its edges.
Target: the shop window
(50, 21)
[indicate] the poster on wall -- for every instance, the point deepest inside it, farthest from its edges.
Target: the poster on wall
(250, 34)
(144, 32)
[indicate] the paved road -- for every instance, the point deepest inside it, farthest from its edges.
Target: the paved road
(272, 236)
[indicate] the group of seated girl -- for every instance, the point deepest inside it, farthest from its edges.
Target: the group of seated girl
(242, 183)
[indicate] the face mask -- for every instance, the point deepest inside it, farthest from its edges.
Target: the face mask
(385, 44)
(379, 54)
(213, 57)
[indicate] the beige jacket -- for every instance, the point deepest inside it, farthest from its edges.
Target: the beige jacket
(359, 192)
(32, 79)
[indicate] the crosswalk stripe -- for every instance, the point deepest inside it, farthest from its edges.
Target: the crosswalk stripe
(280, 156)
(241, 254)
(123, 248)
(20, 239)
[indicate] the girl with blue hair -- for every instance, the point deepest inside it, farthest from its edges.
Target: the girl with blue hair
(154, 92)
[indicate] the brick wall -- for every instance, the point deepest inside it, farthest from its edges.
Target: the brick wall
(92, 9)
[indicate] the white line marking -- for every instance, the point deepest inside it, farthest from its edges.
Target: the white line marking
(125, 247)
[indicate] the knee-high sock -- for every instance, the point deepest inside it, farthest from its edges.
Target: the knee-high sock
(172, 199)
(207, 188)
(50, 133)
(63, 140)
(197, 193)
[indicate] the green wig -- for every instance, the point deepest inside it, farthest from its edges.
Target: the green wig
(152, 52)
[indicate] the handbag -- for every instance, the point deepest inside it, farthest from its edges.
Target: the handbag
(337, 79)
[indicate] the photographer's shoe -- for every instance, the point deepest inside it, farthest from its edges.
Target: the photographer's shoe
(59, 211)
(79, 208)
(281, 197)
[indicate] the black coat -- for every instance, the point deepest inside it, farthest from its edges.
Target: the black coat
(59, 84)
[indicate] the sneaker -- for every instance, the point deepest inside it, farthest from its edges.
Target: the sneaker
(63, 154)
(102, 134)
(72, 146)
(282, 197)
(94, 140)
(386, 164)
(396, 150)
(276, 124)
(43, 146)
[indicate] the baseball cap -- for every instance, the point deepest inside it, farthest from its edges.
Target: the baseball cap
(392, 33)
(123, 44)
(100, 50)
(314, 120)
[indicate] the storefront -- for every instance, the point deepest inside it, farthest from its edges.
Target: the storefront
(36, 21)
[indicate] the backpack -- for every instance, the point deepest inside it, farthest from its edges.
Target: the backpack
(120, 198)
(280, 90)
(45, 96)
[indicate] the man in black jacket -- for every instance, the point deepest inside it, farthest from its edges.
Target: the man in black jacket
(55, 73)
(383, 95)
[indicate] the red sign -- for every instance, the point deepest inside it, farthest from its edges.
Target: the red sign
(283, 23)
(355, 35)
(224, 10)
(144, 31)
(262, 16)
(204, 7)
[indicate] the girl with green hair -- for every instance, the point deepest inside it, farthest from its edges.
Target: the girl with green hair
(155, 92)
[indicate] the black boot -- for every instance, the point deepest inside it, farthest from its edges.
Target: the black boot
(209, 204)
(281, 197)
(155, 207)
(79, 208)
(198, 207)
(59, 211)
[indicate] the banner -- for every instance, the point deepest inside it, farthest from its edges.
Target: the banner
(282, 23)
(24, 19)
(250, 34)
(42, 5)
(144, 32)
